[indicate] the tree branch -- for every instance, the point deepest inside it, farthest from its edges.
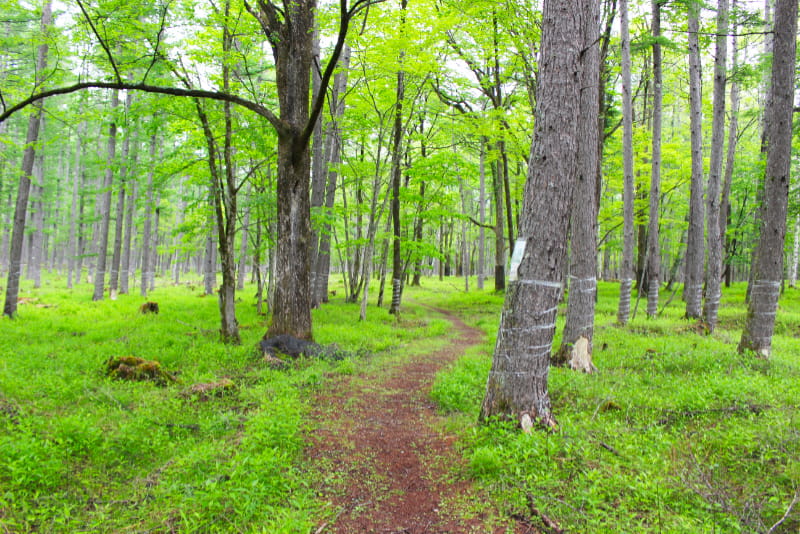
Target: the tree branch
(258, 109)
(102, 42)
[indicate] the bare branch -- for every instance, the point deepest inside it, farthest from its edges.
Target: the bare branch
(280, 126)
(102, 42)
(156, 53)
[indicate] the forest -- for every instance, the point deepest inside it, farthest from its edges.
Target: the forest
(550, 248)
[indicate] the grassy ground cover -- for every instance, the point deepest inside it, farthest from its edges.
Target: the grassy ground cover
(676, 433)
(80, 452)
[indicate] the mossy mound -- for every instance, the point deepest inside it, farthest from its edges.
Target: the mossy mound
(138, 369)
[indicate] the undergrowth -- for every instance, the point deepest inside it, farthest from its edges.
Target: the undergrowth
(82, 452)
(676, 433)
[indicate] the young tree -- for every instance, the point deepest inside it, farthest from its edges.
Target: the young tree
(768, 266)
(517, 383)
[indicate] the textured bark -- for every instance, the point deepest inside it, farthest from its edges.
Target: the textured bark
(795, 253)
(768, 266)
(733, 133)
(695, 255)
(517, 383)
(116, 258)
(72, 252)
(714, 264)
(397, 158)
(627, 271)
(104, 205)
(653, 245)
(499, 240)
(23, 190)
(576, 341)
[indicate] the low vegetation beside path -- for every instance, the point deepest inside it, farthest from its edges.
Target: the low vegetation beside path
(676, 433)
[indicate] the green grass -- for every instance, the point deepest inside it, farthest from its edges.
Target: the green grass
(677, 433)
(82, 452)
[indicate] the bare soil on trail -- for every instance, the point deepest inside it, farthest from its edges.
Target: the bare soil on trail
(390, 468)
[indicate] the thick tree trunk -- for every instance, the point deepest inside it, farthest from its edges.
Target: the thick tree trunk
(578, 335)
(714, 264)
(695, 255)
(23, 191)
(627, 271)
(653, 245)
(104, 205)
(517, 383)
(768, 267)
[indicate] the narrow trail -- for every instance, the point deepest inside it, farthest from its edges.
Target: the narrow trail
(390, 468)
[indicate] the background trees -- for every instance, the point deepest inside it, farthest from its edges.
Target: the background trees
(453, 144)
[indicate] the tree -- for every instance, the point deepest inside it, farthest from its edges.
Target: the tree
(517, 383)
(653, 243)
(21, 208)
(693, 285)
(768, 266)
(714, 265)
(576, 341)
(624, 309)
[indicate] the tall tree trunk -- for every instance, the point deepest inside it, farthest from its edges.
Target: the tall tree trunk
(104, 204)
(397, 159)
(795, 253)
(627, 271)
(733, 133)
(23, 191)
(499, 239)
(72, 246)
(332, 158)
(242, 268)
(695, 254)
(517, 383)
(653, 245)
(576, 342)
(482, 218)
(36, 249)
(126, 264)
(768, 267)
(714, 268)
(116, 258)
(147, 253)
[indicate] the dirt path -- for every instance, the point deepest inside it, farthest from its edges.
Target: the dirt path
(391, 469)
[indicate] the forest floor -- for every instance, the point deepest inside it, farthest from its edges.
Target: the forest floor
(391, 466)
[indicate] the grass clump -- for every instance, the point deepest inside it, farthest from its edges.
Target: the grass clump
(218, 450)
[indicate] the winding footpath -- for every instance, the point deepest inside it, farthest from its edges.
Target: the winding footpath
(390, 468)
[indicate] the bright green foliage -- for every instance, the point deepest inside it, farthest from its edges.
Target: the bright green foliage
(83, 452)
(677, 432)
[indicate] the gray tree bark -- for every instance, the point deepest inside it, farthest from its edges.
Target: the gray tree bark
(517, 383)
(116, 258)
(23, 191)
(627, 270)
(578, 335)
(768, 266)
(695, 254)
(482, 218)
(72, 246)
(147, 253)
(733, 134)
(653, 242)
(104, 205)
(714, 264)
